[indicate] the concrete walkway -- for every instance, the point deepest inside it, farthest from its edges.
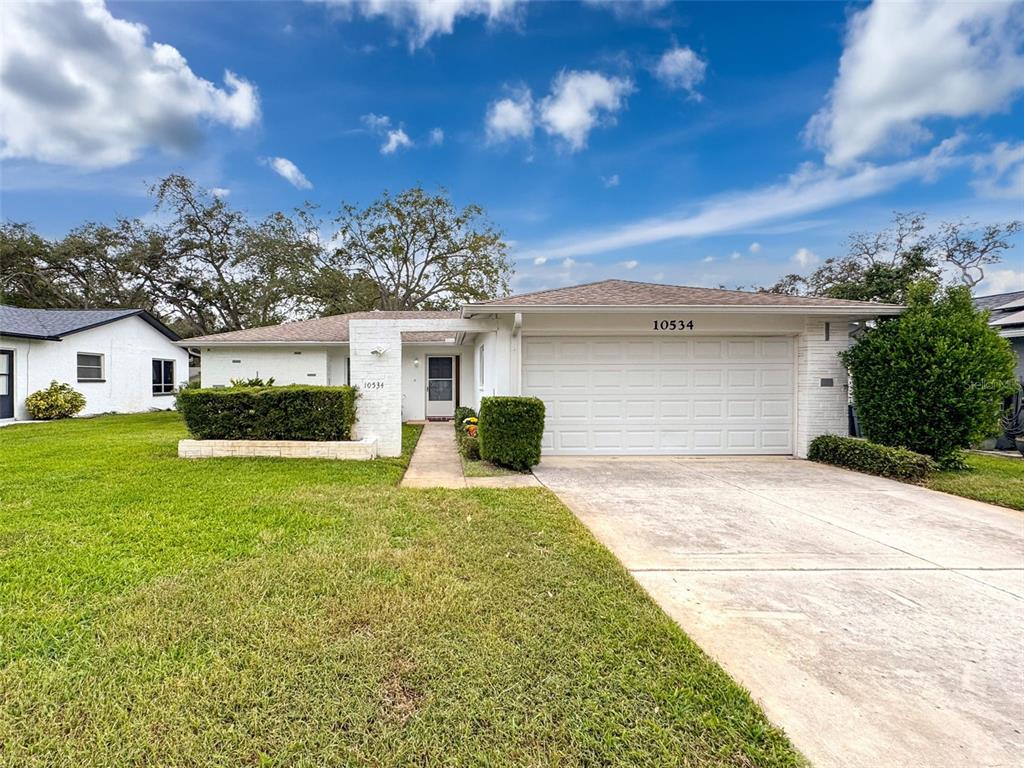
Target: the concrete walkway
(436, 464)
(879, 623)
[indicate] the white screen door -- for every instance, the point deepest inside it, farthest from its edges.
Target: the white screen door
(440, 387)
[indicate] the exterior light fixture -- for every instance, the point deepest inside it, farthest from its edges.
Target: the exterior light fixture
(378, 352)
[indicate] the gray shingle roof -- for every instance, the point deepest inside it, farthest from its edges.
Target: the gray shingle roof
(629, 293)
(1005, 301)
(333, 329)
(55, 324)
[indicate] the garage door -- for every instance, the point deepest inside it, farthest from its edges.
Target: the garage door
(668, 396)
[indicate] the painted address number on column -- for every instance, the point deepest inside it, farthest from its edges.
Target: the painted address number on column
(373, 385)
(673, 325)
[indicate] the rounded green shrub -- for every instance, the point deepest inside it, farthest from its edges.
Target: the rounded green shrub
(57, 401)
(932, 380)
(511, 429)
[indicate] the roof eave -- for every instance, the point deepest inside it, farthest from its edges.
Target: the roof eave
(32, 336)
(866, 310)
(199, 342)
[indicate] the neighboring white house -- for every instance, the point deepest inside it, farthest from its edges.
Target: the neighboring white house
(122, 360)
(1007, 317)
(622, 367)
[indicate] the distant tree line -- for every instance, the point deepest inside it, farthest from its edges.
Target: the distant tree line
(882, 266)
(205, 267)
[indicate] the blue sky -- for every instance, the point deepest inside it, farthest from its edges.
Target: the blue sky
(698, 144)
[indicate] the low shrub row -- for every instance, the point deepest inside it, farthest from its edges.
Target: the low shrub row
(57, 401)
(510, 431)
(874, 459)
(269, 413)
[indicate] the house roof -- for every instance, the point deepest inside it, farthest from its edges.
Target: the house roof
(55, 324)
(627, 293)
(1000, 301)
(324, 330)
(1008, 319)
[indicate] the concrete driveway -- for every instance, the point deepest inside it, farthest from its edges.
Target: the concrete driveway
(880, 624)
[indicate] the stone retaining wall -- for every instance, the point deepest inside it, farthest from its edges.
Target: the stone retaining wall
(288, 449)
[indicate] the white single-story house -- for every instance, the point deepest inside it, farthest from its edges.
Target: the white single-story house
(121, 360)
(623, 367)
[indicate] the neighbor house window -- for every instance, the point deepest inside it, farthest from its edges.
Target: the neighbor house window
(90, 367)
(163, 377)
(480, 366)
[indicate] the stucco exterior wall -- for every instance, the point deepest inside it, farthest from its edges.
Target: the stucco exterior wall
(128, 347)
(285, 364)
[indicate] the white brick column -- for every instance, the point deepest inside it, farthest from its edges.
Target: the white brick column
(821, 409)
(379, 380)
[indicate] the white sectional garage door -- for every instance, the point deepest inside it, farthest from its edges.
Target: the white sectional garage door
(620, 395)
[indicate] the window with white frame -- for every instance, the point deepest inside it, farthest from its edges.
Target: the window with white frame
(480, 366)
(90, 366)
(163, 377)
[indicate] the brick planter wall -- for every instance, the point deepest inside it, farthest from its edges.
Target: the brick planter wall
(288, 449)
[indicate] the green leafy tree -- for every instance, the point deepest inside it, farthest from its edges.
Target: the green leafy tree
(932, 380)
(422, 252)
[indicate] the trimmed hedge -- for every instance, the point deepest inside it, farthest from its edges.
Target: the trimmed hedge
(510, 431)
(874, 459)
(269, 413)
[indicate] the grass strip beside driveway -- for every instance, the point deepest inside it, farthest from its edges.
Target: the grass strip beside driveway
(293, 612)
(995, 479)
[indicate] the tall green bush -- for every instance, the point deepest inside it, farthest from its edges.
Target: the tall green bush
(932, 380)
(269, 413)
(510, 431)
(57, 401)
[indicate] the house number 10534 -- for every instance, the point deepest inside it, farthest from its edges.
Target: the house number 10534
(673, 325)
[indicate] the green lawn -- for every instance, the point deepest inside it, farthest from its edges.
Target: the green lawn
(274, 612)
(994, 479)
(485, 469)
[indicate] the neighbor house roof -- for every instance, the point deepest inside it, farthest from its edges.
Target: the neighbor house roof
(55, 324)
(325, 330)
(1000, 301)
(627, 293)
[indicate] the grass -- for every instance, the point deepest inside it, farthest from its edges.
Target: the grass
(159, 611)
(485, 469)
(994, 479)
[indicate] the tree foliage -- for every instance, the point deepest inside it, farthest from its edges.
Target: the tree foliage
(420, 251)
(882, 266)
(203, 266)
(933, 379)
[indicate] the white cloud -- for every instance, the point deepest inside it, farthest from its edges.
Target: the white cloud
(287, 170)
(610, 181)
(735, 255)
(81, 87)
(630, 264)
(396, 139)
(423, 19)
(1001, 172)
(906, 62)
(708, 259)
(220, 191)
(755, 248)
(809, 189)
(376, 123)
(436, 137)
(1001, 281)
(681, 69)
(538, 260)
(805, 257)
(579, 101)
(510, 118)
(568, 263)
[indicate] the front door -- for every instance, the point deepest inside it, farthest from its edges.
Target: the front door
(440, 387)
(6, 384)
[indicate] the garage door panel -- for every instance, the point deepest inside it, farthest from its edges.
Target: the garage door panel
(671, 395)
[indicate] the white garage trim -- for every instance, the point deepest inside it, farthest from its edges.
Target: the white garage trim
(646, 395)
